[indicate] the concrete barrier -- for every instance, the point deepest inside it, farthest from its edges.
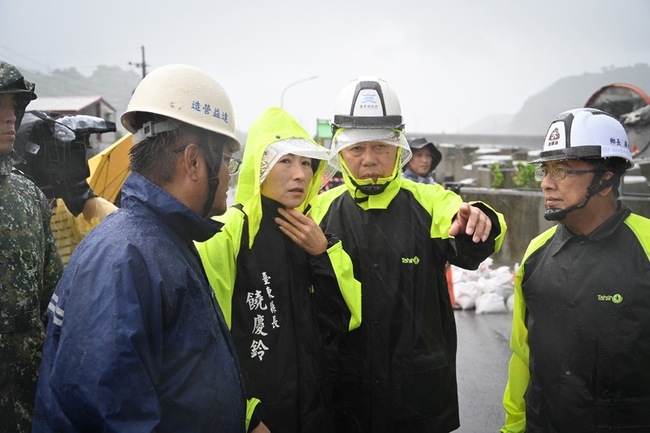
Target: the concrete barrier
(524, 213)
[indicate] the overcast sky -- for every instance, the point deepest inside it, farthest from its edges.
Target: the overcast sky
(451, 62)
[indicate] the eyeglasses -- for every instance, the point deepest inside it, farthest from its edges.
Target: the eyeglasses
(233, 164)
(557, 173)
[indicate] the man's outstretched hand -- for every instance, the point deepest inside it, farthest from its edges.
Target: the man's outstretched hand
(471, 221)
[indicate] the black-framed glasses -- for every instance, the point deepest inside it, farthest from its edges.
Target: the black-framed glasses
(233, 164)
(557, 173)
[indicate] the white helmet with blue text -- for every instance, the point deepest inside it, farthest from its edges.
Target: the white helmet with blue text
(367, 109)
(178, 94)
(184, 93)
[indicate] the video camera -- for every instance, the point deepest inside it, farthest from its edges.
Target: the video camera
(53, 149)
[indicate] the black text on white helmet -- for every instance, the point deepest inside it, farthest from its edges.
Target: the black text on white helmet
(585, 133)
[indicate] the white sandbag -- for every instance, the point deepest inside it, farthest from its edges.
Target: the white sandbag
(490, 303)
(459, 275)
(465, 293)
(466, 302)
(500, 283)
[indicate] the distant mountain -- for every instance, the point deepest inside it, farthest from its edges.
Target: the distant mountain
(493, 124)
(566, 93)
(116, 85)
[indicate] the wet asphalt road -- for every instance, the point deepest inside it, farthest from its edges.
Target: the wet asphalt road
(482, 365)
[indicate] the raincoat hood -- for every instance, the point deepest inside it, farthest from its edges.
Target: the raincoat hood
(272, 126)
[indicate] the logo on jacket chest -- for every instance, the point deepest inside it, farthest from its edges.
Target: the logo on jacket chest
(410, 260)
(616, 299)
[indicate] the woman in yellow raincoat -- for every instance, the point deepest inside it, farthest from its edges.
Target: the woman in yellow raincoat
(270, 265)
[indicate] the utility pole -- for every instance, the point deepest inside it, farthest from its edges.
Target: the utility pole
(142, 64)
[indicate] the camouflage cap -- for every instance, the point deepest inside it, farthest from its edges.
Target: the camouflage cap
(12, 81)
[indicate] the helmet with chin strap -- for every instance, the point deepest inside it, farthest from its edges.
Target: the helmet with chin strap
(368, 103)
(181, 93)
(588, 134)
(12, 81)
(367, 109)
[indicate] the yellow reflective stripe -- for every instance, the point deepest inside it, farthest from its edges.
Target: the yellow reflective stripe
(518, 372)
(641, 228)
(498, 241)
(350, 288)
(439, 202)
(219, 257)
(251, 404)
(322, 202)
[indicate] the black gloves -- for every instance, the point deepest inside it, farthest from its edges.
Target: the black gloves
(75, 196)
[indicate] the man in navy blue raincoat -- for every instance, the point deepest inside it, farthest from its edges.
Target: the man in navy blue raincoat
(136, 341)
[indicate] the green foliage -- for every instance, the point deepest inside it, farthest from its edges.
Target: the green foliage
(524, 177)
(497, 175)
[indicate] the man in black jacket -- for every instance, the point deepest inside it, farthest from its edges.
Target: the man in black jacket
(397, 371)
(581, 320)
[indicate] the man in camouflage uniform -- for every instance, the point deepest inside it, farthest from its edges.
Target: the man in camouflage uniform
(30, 266)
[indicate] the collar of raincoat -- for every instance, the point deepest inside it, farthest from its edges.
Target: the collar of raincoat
(377, 201)
(271, 126)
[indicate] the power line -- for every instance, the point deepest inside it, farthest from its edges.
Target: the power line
(26, 62)
(142, 64)
(22, 56)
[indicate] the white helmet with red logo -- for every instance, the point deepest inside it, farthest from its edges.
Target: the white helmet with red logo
(585, 133)
(589, 134)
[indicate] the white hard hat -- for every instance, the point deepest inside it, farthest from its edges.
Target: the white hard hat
(367, 109)
(369, 103)
(585, 133)
(183, 93)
